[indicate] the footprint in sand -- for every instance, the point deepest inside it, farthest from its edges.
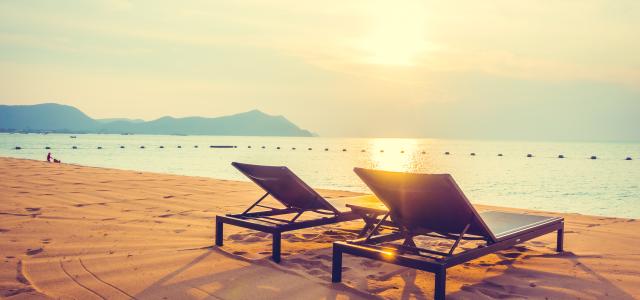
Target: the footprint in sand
(521, 248)
(323, 257)
(168, 196)
(261, 234)
(33, 251)
(179, 230)
(248, 238)
(292, 238)
(32, 209)
(511, 254)
(371, 264)
(252, 239)
(315, 272)
(240, 252)
(2, 230)
(308, 264)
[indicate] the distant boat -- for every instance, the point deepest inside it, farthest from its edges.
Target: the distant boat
(73, 136)
(222, 146)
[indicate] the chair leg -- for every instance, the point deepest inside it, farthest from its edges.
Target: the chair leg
(440, 286)
(560, 239)
(336, 265)
(275, 247)
(219, 230)
(366, 228)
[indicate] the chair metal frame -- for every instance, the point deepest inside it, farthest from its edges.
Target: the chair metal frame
(408, 255)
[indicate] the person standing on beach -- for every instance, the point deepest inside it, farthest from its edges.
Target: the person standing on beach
(49, 157)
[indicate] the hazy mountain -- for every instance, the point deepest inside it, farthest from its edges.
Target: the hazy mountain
(62, 118)
(109, 120)
(44, 117)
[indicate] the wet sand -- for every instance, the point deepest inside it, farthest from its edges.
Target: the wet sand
(80, 232)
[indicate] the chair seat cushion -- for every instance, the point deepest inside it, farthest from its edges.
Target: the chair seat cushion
(505, 225)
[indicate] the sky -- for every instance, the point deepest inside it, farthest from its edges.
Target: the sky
(540, 70)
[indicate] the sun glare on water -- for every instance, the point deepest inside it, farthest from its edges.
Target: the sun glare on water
(394, 154)
(397, 34)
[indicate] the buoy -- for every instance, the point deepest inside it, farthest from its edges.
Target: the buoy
(278, 148)
(18, 148)
(362, 150)
(195, 146)
(424, 152)
(309, 149)
(447, 153)
(326, 149)
(381, 151)
(99, 147)
(529, 155)
(401, 151)
(499, 154)
(473, 154)
(179, 146)
(249, 147)
(141, 147)
(161, 147)
(628, 158)
(344, 150)
(74, 147)
(560, 156)
(121, 147)
(294, 148)
(47, 147)
(263, 147)
(593, 157)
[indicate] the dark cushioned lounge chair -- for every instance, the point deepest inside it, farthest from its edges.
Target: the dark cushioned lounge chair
(433, 205)
(295, 196)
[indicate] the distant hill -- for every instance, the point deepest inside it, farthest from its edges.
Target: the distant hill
(51, 117)
(119, 119)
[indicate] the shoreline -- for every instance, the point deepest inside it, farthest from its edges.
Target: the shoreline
(91, 232)
(506, 208)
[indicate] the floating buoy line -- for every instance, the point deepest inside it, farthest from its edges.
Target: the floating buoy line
(528, 155)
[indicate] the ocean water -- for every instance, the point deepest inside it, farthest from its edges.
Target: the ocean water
(606, 186)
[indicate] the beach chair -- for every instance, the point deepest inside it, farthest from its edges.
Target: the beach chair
(434, 206)
(296, 198)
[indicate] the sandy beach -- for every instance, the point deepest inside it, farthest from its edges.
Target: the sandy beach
(78, 232)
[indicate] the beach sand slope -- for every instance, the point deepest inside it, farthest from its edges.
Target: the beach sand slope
(70, 231)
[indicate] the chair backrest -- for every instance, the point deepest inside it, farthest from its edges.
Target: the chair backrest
(432, 202)
(284, 186)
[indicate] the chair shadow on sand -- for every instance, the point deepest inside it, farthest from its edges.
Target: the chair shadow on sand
(511, 282)
(555, 286)
(226, 282)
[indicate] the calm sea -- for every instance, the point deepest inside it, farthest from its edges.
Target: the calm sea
(606, 186)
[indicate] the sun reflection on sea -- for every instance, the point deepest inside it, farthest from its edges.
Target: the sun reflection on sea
(394, 154)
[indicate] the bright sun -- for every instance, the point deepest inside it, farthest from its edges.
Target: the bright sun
(397, 34)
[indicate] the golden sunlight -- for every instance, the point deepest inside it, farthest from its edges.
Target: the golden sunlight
(397, 34)
(393, 154)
